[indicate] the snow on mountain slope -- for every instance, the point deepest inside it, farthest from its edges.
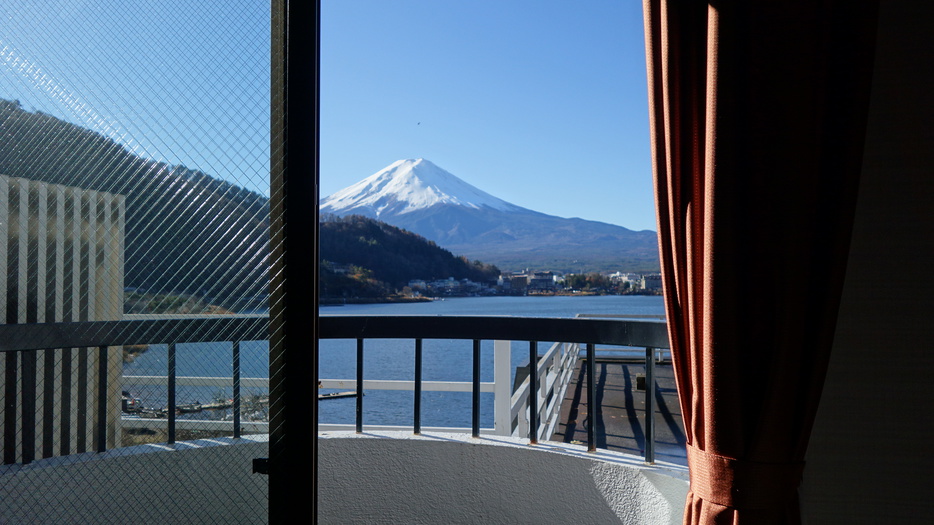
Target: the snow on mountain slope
(406, 186)
(422, 198)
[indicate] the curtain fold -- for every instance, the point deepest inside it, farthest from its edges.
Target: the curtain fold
(758, 114)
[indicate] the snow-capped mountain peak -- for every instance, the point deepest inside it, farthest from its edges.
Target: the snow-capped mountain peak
(424, 199)
(406, 186)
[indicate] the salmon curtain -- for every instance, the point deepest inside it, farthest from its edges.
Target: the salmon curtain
(758, 113)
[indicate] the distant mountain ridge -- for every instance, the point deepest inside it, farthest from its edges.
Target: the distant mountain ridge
(421, 197)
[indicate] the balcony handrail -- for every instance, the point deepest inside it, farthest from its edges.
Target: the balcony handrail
(222, 328)
(179, 329)
(566, 330)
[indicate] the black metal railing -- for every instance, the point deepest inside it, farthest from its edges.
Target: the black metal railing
(590, 332)
(21, 343)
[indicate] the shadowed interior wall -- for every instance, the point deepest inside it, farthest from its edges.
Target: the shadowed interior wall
(868, 460)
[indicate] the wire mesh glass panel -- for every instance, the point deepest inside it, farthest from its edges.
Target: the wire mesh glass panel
(134, 260)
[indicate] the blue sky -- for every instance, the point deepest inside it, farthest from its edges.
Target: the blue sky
(541, 103)
(186, 85)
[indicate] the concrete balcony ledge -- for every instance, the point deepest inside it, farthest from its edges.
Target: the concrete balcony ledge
(396, 477)
(201, 481)
(374, 477)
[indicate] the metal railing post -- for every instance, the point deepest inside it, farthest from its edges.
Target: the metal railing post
(9, 415)
(417, 423)
(28, 392)
(650, 405)
(533, 392)
(65, 438)
(475, 412)
(359, 420)
(101, 398)
(81, 430)
(48, 412)
(171, 393)
(591, 398)
(236, 388)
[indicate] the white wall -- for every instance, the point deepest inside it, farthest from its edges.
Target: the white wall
(451, 478)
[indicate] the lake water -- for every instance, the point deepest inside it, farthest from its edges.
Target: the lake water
(387, 359)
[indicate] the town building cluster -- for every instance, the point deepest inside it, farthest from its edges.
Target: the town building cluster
(541, 282)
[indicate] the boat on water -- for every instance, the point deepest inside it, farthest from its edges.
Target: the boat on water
(337, 395)
(188, 408)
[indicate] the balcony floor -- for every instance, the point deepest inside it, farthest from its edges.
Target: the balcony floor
(620, 410)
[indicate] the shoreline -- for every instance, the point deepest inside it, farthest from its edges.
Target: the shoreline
(372, 300)
(404, 300)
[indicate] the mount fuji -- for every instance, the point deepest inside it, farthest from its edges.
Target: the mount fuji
(419, 196)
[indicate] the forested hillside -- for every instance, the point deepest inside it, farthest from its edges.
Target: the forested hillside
(186, 231)
(393, 256)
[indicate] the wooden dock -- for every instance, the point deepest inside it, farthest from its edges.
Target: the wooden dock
(619, 410)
